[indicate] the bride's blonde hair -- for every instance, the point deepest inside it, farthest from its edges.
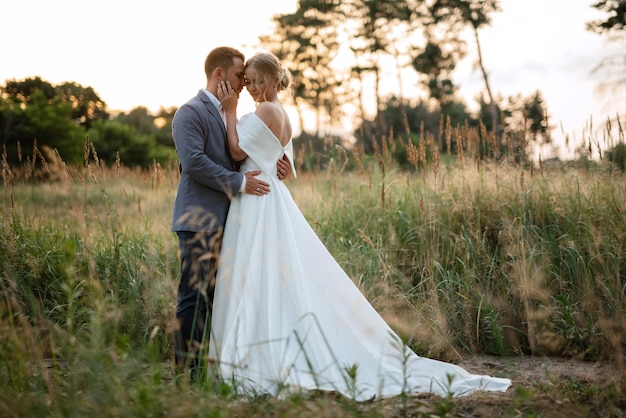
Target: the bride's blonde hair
(269, 67)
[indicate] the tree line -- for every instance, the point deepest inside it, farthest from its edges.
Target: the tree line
(339, 49)
(68, 117)
(333, 48)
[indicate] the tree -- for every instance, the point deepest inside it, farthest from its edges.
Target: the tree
(536, 113)
(138, 136)
(526, 121)
(62, 117)
(163, 122)
(474, 13)
(55, 116)
(306, 41)
(437, 66)
(49, 122)
(380, 25)
(367, 35)
(110, 137)
(617, 156)
(85, 103)
(20, 91)
(615, 22)
(140, 119)
(613, 26)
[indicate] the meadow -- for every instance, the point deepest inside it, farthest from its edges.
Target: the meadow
(494, 260)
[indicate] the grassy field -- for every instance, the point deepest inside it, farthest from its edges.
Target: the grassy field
(493, 262)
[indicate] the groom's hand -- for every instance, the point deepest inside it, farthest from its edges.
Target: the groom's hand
(255, 186)
(284, 168)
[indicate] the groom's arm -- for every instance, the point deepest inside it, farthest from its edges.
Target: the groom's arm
(191, 134)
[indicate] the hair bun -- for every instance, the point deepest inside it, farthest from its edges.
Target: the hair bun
(285, 80)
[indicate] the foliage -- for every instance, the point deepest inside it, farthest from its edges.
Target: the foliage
(335, 48)
(133, 138)
(43, 120)
(380, 27)
(617, 155)
(21, 91)
(613, 67)
(616, 19)
(34, 113)
(436, 66)
(524, 118)
(85, 103)
(144, 123)
(307, 42)
(534, 111)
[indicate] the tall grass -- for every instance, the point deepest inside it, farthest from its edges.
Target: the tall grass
(491, 260)
(465, 256)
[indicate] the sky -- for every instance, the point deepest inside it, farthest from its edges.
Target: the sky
(151, 52)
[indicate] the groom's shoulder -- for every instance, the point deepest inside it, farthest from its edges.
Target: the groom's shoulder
(192, 106)
(197, 101)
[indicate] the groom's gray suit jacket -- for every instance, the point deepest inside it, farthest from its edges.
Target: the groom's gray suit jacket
(208, 175)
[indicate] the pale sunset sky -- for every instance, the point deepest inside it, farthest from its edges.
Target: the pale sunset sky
(151, 53)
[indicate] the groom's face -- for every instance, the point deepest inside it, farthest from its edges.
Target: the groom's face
(235, 75)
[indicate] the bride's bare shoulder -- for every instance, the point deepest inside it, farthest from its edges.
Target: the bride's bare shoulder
(270, 113)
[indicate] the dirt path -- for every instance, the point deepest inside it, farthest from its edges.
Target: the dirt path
(528, 371)
(545, 386)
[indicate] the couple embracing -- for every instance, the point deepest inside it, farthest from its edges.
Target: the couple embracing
(258, 287)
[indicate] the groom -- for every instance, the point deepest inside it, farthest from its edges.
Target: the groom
(208, 181)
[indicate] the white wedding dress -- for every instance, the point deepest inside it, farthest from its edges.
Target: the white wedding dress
(286, 317)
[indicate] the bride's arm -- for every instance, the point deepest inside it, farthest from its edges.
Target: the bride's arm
(228, 98)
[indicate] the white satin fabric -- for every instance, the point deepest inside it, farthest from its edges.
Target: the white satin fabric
(286, 317)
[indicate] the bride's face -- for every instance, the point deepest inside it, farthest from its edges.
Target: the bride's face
(254, 86)
(258, 87)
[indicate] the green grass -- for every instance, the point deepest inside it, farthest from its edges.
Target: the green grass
(469, 260)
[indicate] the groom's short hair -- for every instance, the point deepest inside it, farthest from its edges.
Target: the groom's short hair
(222, 57)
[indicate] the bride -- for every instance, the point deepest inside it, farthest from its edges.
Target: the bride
(286, 317)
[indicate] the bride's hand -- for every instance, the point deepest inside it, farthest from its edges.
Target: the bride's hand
(227, 96)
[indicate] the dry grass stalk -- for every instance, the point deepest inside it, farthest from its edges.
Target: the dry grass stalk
(458, 139)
